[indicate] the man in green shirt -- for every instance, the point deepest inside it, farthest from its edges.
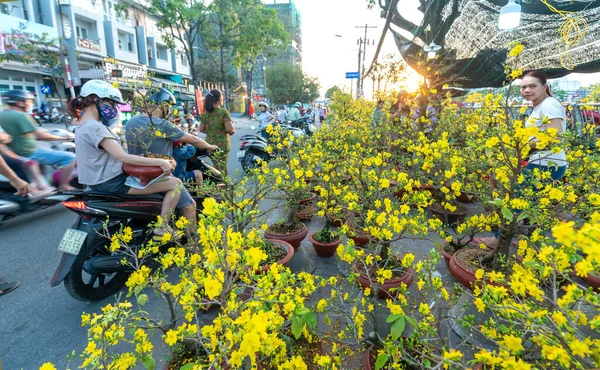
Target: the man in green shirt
(18, 124)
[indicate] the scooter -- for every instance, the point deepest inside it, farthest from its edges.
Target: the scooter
(253, 148)
(89, 270)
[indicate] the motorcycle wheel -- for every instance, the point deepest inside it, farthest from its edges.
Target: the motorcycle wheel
(248, 164)
(85, 287)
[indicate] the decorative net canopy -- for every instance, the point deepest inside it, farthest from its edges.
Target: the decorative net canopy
(475, 51)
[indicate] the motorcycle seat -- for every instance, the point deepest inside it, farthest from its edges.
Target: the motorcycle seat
(93, 194)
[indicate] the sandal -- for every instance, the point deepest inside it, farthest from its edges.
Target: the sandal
(175, 235)
(8, 287)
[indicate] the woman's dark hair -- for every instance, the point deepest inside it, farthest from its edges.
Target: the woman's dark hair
(542, 77)
(76, 105)
(211, 99)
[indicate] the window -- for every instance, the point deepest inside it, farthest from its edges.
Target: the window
(17, 78)
(31, 89)
(18, 87)
(4, 88)
(82, 33)
(130, 43)
(184, 61)
(120, 44)
(4, 77)
(161, 52)
(29, 79)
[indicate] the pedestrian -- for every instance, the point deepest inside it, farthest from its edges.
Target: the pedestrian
(400, 109)
(378, 114)
(322, 113)
(216, 123)
(548, 113)
(281, 114)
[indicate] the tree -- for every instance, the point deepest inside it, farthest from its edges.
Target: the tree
(331, 91)
(182, 22)
(206, 70)
(261, 34)
(287, 84)
(44, 53)
(388, 71)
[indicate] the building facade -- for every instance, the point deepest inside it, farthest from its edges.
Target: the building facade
(292, 22)
(101, 43)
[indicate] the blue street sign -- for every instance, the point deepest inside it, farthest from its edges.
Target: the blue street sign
(352, 74)
(45, 89)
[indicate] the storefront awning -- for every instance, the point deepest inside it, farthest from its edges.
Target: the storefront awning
(24, 68)
(167, 82)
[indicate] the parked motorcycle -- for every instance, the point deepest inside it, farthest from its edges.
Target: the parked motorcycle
(305, 124)
(253, 148)
(89, 270)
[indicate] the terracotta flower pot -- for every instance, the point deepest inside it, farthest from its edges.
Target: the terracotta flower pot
(367, 360)
(307, 213)
(337, 221)
(462, 273)
(283, 245)
(308, 200)
(144, 173)
(324, 249)
(294, 239)
(475, 243)
(384, 289)
(466, 197)
(593, 281)
(448, 217)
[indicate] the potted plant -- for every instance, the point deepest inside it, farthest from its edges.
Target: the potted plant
(325, 241)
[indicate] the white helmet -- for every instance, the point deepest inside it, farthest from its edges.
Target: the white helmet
(103, 89)
(263, 104)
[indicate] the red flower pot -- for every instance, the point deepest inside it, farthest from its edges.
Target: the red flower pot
(283, 245)
(144, 173)
(450, 218)
(308, 200)
(324, 249)
(593, 281)
(294, 239)
(306, 214)
(466, 197)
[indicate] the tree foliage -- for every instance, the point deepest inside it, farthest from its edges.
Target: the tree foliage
(331, 92)
(387, 72)
(288, 83)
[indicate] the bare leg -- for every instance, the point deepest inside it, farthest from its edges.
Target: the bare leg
(64, 177)
(199, 177)
(171, 188)
(32, 168)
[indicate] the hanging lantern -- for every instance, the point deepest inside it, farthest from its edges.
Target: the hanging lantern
(510, 16)
(432, 50)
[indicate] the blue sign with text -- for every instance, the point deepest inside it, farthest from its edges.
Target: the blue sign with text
(45, 89)
(352, 74)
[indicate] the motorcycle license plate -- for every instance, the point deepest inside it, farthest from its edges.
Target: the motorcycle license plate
(72, 241)
(241, 154)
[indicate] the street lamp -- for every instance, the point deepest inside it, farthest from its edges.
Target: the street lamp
(432, 50)
(510, 16)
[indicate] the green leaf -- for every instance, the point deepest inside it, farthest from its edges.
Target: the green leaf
(398, 328)
(412, 322)
(522, 216)
(302, 311)
(507, 213)
(327, 320)
(394, 317)
(148, 362)
(381, 360)
(426, 362)
(296, 327)
(488, 152)
(142, 299)
(311, 320)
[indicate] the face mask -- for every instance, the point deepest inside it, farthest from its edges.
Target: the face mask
(107, 113)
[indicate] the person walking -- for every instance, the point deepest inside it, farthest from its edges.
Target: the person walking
(216, 123)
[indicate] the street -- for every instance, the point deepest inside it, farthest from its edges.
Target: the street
(42, 324)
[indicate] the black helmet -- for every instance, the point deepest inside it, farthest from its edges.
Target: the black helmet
(161, 96)
(11, 97)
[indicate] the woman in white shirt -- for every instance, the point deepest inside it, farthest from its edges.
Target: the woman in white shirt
(264, 119)
(547, 113)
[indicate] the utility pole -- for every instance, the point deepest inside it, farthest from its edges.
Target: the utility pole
(362, 50)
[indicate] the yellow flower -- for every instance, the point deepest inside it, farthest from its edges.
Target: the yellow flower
(171, 337)
(583, 268)
(47, 366)
(424, 309)
(516, 73)
(115, 85)
(479, 304)
(452, 355)
(516, 50)
(512, 343)
(321, 305)
(479, 274)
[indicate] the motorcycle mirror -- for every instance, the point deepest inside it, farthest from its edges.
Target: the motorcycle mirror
(252, 127)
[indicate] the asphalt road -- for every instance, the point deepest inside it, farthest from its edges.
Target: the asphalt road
(38, 323)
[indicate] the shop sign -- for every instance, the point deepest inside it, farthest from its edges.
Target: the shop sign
(115, 69)
(88, 44)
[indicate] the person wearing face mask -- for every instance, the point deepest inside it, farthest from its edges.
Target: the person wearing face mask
(101, 157)
(17, 122)
(153, 132)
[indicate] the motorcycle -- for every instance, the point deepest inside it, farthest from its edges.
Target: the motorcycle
(88, 269)
(12, 205)
(253, 148)
(305, 124)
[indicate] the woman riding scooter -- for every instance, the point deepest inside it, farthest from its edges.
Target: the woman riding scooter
(100, 157)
